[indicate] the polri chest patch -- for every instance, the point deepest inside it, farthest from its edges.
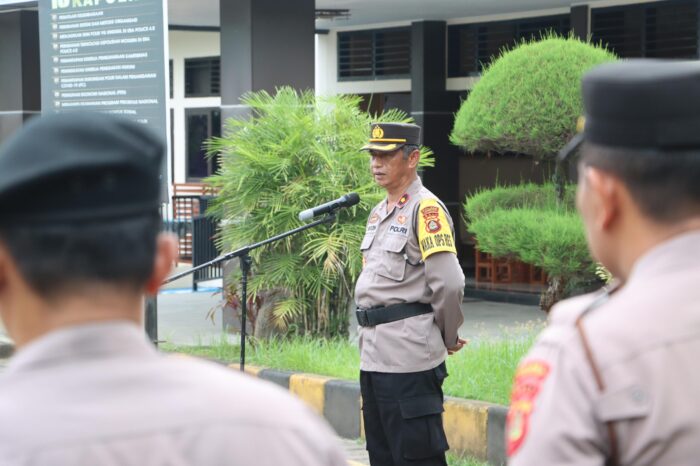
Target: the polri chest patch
(399, 226)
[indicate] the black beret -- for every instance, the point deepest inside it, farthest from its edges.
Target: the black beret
(387, 137)
(79, 166)
(652, 104)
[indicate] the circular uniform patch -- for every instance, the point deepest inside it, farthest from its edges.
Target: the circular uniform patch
(374, 218)
(529, 378)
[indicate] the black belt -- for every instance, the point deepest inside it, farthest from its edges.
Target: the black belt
(384, 315)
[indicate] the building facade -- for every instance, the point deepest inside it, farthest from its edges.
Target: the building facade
(421, 57)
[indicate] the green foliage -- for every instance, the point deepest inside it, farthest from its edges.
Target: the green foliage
(527, 222)
(530, 195)
(454, 459)
(603, 273)
(483, 370)
(528, 100)
(294, 152)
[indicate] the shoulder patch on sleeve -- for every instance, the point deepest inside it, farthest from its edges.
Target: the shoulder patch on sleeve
(434, 231)
(529, 378)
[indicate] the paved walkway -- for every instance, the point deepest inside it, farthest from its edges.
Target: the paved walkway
(355, 451)
(194, 318)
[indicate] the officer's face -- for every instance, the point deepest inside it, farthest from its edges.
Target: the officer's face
(391, 169)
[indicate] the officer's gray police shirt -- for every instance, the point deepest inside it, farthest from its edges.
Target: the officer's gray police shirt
(101, 395)
(393, 272)
(645, 341)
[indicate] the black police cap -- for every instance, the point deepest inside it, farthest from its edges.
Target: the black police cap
(641, 104)
(79, 166)
(388, 137)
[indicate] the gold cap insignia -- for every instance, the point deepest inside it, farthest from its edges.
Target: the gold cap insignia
(377, 132)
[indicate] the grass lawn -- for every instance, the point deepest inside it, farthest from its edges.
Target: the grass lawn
(455, 460)
(481, 371)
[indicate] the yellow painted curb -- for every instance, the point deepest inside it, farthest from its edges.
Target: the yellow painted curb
(466, 426)
(309, 388)
(251, 370)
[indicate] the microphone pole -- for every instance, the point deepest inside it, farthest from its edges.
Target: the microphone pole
(245, 260)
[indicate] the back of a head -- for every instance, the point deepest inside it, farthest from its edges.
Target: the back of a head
(79, 199)
(643, 125)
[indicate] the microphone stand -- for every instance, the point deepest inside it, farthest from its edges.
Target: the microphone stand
(245, 260)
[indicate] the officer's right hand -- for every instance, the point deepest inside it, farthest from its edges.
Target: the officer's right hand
(460, 344)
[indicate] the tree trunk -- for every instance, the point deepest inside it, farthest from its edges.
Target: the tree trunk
(553, 294)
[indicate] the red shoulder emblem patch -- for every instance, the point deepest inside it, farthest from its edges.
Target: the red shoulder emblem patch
(529, 378)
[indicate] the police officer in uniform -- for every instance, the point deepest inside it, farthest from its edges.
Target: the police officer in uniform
(408, 300)
(614, 378)
(80, 245)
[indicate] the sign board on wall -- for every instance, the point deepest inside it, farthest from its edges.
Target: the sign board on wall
(105, 56)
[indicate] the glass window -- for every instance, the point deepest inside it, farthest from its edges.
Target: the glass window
(471, 47)
(374, 54)
(202, 77)
(201, 124)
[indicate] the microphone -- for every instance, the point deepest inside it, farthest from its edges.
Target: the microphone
(347, 200)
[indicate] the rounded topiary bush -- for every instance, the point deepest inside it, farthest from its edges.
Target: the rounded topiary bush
(528, 100)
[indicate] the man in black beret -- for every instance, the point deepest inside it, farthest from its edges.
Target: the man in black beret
(80, 245)
(613, 379)
(408, 297)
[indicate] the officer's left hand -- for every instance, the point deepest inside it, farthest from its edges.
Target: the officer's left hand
(460, 344)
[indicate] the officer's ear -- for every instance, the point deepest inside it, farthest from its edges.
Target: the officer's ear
(166, 252)
(603, 193)
(414, 158)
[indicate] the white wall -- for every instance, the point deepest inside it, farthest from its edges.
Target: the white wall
(182, 45)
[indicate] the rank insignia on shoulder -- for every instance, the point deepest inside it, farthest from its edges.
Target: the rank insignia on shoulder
(404, 199)
(529, 378)
(432, 237)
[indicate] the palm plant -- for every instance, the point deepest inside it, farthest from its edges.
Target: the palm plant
(296, 151)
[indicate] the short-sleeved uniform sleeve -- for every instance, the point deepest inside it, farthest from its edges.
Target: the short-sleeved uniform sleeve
(551, 417)
(434, 230)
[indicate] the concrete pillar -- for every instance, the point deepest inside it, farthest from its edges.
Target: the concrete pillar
(264, 44)
(20, 97)
(433, 108)
(581, 21)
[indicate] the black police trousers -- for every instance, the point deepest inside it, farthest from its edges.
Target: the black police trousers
(403, 417)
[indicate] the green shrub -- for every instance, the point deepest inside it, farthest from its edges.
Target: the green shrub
(527, 223)
(554, 241)
(296, 151)
(529, 195)
(528, 100)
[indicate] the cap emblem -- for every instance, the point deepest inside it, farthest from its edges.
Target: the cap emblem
(377, 132)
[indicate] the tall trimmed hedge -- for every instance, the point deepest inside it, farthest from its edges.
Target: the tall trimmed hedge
(528, 100)
(527, 223)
